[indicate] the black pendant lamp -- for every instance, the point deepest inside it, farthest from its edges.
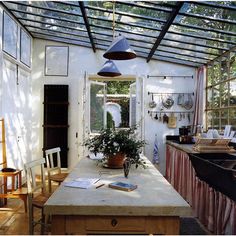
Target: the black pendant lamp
(120, 50)
(109, 69)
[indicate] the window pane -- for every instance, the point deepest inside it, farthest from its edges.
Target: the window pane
(209, 98)
(224, 118)
(216, 120)
(210, 75)
(96, 107)
(216, 96)
(233, 65)
(232, 115)
(209, 119)
(224, 68)
(224, 94)
(216, 73)
(232, 90)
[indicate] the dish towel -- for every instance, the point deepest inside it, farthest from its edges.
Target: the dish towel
(155, 159)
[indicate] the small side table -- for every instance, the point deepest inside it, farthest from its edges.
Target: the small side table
(16, 190)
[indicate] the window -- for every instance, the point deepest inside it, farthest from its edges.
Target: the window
(221, 92)
(9, 35)
(25, 48)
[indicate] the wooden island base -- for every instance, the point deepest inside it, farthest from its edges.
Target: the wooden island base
(81, 225)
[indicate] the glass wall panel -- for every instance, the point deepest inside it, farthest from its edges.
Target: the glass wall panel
(216, 97)
(216, 119)
(232, 67)
(224, 119)
(232, 93)
(232, 117)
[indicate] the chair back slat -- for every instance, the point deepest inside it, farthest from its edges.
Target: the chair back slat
(50, 156)
(32, 169)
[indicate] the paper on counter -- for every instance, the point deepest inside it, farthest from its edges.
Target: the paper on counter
(81, 183)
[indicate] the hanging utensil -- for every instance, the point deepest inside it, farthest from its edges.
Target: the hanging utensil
(156, 117)
(160, 117)
(168, 102)
(180, 99)
(172, 121)
(165, 118)
(180, 116)
(152, 104)
(189, 117)
(188, 104)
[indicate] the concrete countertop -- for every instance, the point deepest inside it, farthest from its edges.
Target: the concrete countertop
(183, 147)
(153, 197)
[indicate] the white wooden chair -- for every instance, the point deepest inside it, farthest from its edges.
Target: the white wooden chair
(37, 195)
(54, 170)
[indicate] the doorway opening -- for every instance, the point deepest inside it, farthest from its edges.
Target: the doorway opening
(118, 104)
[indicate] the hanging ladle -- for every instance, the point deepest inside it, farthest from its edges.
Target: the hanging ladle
(152, 104)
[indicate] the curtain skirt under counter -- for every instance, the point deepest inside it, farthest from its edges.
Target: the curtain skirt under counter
(216, 211)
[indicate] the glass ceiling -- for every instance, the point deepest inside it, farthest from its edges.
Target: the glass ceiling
(192, 33)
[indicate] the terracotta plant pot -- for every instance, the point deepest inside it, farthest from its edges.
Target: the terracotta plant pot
(116, 161)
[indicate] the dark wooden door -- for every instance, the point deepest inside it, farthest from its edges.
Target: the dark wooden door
(55, 124)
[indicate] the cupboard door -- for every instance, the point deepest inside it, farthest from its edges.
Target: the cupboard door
(56, 120)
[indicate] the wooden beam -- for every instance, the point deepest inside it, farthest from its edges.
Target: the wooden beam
(165, 28)
(84, 14)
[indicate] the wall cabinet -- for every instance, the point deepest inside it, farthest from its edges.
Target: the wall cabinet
(55, 124)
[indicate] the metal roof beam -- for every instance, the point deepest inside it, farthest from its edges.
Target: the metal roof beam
(39, 36)
(165, 28)
(195, 44)
(155, 8)
(201, 37)
(205, 29)
(46, 16)
(62, 37)
(208, 18)
(47, 23)
(56, 31)
(46, 8)
(126, 14)
(83, 11)
(214, 5)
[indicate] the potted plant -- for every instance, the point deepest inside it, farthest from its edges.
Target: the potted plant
(117, 145)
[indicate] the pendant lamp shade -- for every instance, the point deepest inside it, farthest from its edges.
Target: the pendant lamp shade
(119, 50)
(109, 69)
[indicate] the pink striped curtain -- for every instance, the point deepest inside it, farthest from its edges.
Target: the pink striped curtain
(215, 210)
(199, 98)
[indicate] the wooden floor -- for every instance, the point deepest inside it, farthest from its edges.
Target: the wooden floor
(14, 220)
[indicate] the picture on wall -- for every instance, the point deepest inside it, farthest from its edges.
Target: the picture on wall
(10, 29)
(56, 60)
(25, 48)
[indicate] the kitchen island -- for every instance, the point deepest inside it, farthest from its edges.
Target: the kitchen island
(153, 208)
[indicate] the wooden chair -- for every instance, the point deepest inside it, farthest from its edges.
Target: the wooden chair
(16, 190)
(37, 195)
(53, 162)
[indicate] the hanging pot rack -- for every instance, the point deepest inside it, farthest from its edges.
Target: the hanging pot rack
(160, 94)
(162, 112)
(170, 76)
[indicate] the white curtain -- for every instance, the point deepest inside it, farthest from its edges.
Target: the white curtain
(199, 98)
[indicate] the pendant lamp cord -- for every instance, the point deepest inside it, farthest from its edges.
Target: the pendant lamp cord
(113, 20)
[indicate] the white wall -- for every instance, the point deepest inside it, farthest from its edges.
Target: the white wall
(83, 60)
